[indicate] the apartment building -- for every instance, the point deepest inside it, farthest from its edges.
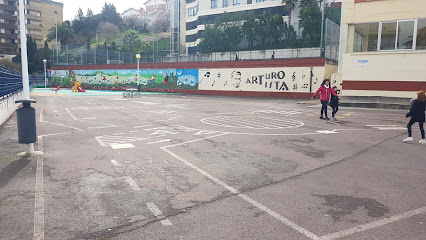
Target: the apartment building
(198, 13)
(8, 28)
(383, 45)
(41, 15)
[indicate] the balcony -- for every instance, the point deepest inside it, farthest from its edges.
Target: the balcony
(8, 7)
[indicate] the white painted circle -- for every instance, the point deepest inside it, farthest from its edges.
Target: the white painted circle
(252, 122)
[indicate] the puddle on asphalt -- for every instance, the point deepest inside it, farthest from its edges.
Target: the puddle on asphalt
(346, 205)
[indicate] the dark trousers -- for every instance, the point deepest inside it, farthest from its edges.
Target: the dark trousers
(324, 108)
(422, 130)
(335, 109)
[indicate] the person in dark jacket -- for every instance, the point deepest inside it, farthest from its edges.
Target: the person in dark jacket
(417, 114)
(334, 103)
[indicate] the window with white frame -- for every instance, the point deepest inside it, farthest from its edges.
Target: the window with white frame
(214, 4)
(225, 3)
(421, 35)
(236, 2)
(396, 35)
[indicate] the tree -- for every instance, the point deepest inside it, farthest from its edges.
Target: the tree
(310, 20)
(248, 31)
(290, 5)
(108, 30)
(132, 41)
(109, 14)
(80, 14)
(65, 33)
(89, 13)
(160, 24)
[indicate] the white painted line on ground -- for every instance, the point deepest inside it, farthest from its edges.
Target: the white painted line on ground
(39, 196)
(115, 163)
(160, 216)
(41, 115)
(132, 183)
(62, 125)
(375, 224)
(380, 125)
(142, 126)
(196, 140)
(392, 128)
(246, 198)
(134, 131)
(164, 140)
(115, 134)
(66, 109)
(100, 142)
(89, 118)
(121, 146)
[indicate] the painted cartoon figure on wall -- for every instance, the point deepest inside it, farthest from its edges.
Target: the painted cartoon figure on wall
(187, 77)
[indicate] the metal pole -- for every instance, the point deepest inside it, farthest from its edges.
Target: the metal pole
(45, 80)
(24, 61)
(322, 27)
(138, 72)
(56, 37)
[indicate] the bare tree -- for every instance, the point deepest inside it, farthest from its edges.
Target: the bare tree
(108, 30)
(134, 22)
(161, 23)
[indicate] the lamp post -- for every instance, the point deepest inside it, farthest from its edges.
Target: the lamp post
(45, 80)
(138, 56)
(56, 37)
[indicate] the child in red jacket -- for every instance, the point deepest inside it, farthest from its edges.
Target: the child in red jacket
(325, 91)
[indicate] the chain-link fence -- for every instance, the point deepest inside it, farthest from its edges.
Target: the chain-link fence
(331, 40)
(299, 48)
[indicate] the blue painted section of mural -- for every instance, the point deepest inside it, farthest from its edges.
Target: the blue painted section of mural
(149, 78)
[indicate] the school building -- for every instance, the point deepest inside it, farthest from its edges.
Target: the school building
(383, 48)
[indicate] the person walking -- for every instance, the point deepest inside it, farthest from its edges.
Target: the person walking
(334, 104)
(417, 114)
(325, 91)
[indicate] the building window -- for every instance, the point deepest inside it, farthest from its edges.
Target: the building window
(39, 14)
(214, 3)
(398, 35)
(2, 30)
(236, 2)
(365, 37)
(387, 36)
(421, 35)
(193, 11)
(1, 1)
(260, 1)
(3, 40)
(1, 11)
(1, 20)
(249, 1)
(225, 3)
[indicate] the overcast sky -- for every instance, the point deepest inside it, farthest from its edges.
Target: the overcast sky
(71, 6)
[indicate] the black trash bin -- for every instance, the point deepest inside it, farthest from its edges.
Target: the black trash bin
(26, 122)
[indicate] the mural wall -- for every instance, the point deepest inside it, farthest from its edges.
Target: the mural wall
(284, 79)
(148, 78)
(291, 79)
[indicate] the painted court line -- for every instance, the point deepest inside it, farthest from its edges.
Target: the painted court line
(115, 163)
(164, 140)
(375, 224)
(196, 140)
(160, 216)
(246, 198)
(73, 117)
(121, 146)
(39, 196)
(132, 183)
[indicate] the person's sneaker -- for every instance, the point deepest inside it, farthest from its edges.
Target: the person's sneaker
(334, 119)
(423, 141)
(409, 139)
(321, 117)
(326, 118)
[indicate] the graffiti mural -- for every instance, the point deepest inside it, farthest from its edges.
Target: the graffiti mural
(148, 78)
(292, 79)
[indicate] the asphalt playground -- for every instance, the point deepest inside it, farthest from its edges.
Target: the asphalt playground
(174, 166)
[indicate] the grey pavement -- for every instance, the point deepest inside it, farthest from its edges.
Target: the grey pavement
(171, 166)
